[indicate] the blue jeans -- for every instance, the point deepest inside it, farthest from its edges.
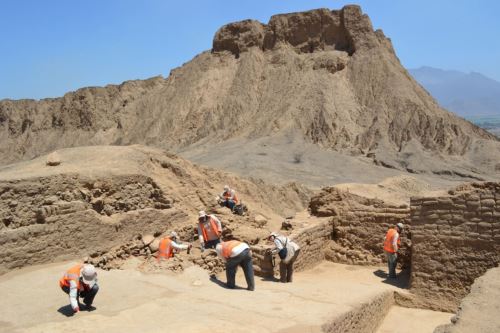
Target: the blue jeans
(392, 260)
(229, 204)
(244, 259)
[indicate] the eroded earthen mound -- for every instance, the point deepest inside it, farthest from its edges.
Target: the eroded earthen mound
(324, 75)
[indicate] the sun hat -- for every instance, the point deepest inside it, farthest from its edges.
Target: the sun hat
(89, 275)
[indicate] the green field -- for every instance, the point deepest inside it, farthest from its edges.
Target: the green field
(489, 123)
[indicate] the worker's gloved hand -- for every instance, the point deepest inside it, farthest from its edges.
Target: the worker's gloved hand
(76, 309)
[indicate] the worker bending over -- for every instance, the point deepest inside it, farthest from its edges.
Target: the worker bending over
(169, 245)
(288, 252)
(235, 253)
(80, 281)
(209, 230)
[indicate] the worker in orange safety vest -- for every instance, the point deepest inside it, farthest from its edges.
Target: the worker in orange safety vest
(235, 253)
(209, 230)
(80, 281)
(392, 244)
(169, 245)
(228, 198)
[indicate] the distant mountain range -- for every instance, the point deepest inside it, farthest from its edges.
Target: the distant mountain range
(466, 94)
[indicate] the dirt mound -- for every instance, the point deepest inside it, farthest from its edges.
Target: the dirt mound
(99, 198)
(396, 190)
(324, 75)
(478, 310)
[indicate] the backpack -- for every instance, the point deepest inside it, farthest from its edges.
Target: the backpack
(284, 251)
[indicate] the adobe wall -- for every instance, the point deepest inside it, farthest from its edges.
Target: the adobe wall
(359, 233)
(60, 217)
(352, 232)
(312, 241)
(359, 226)
(455, 239)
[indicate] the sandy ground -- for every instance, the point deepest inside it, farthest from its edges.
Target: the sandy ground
(405, 320)
(130, 301)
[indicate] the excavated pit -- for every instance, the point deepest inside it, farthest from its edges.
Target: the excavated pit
(341, 278)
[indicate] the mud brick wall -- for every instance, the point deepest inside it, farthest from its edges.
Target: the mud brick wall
(455, 239)
(358, 234)
(312, 241)
(359, 226)
(65, 217)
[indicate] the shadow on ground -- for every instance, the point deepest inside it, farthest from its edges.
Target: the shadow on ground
(218, 282)
(401, 281)
(66, 310)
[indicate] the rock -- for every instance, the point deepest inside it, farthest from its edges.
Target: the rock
(53, 159)
(154, 245)
(286, 225)
(260, 220)
(197, 283)
(147, 239)
(50, 200)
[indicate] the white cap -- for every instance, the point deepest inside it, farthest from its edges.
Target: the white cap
(173, 234)
(400, 225)
(202, 213)
(89, 275)
(226, 187)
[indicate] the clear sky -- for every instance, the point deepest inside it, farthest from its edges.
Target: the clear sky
(51, 47)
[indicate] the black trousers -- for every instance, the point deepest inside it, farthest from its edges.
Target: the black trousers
(286, 270)
(244, 259)
(88, 294)
(211, 244)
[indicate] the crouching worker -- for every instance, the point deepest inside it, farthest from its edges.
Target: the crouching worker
(168, 246)
(80, 281)
(235, 253)
(288, 252)
(228, 198)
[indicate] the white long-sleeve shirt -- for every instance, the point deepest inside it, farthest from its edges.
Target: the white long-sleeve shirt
(73, 293)
(234, 252)
(211, 234)
(279, 243)
(179, 246)
(395, 241)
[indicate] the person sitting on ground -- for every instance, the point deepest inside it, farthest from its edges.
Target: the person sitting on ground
(80, 281)
(392, 244)
(288, 252)
(235, 253)
(169, 245)
(209, 230)
(228, 198)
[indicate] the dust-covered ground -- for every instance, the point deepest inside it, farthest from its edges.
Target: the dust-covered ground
(131, 301)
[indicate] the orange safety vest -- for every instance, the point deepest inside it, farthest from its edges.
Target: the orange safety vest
(71, 274)
(213, 225)
(227, 248)
(165, 249)
(227, 196)
(388, 240)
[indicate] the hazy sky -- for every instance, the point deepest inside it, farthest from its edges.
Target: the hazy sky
(50, 47)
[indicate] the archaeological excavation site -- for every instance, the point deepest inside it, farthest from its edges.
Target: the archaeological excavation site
(325, 138)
